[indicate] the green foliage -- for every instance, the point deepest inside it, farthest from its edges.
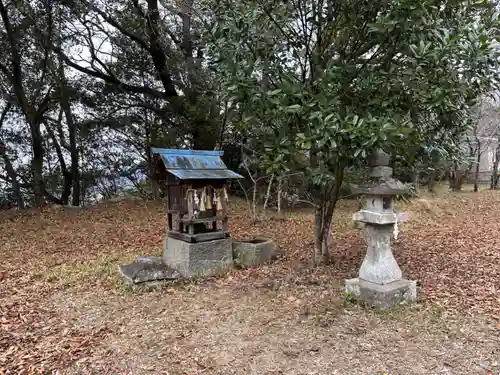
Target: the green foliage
(332, 83)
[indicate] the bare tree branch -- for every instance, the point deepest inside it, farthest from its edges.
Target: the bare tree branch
(121, 28)
(112, 80)
(5, 113)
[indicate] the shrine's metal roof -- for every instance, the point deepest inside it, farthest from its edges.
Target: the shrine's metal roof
(195, 164)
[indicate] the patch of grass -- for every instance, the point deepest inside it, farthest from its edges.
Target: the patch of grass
(153, 286)
(348, 299)
(396, 312)
(69, 275)
(171, 286)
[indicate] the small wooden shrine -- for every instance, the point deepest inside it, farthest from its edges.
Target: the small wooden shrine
(196, 188)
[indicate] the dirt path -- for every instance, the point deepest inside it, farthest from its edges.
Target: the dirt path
(221, 329)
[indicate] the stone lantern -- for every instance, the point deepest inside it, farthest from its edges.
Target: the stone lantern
(380, 280)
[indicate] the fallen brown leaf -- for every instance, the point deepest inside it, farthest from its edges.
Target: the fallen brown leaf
(453, 255)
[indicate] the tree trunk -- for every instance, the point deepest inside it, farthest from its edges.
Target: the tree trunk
(37, 165)
(75, 172)
(494, 172)
(456, 178)
(155, 188)
(158, 55)
(476, 172)
(318, 245)
(12, 175)
(456, 182)
(323, 219)
(254, 201)
(323, 223)
(74, 152)
(204, 135)
(36, 170)
(268, 193)
(433, 181)
(67, 176)
(16, 187)
(73, 175)
(415, 179)
(33, 115)
(73, 148)
(279, 197)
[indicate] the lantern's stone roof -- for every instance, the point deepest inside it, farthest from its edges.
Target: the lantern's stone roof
(388, 186)
(195, 164)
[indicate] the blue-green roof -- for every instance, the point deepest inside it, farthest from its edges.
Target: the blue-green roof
(195, 164)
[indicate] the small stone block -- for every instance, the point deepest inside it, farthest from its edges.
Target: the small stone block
(383, 296)
(140, 272)
(254, 252)
(200, 259)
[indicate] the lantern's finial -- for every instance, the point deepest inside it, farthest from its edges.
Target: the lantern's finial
(379, 159)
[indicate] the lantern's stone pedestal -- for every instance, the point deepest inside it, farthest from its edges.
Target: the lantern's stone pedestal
(380, 281)
(382, 295)
(198, 259)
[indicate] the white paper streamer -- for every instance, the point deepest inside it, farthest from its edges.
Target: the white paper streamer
(208, 202)
(203, 199)
(196, 204)
(218, 200)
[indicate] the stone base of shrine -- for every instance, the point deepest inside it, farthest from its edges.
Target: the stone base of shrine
(382, 295)
(198, 259)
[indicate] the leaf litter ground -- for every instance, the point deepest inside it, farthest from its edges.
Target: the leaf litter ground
(64, 310)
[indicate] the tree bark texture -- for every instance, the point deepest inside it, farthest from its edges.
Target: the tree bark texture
(323, 218)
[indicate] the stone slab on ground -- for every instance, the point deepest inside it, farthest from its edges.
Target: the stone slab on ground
(147, 269)
(253, 252)
(382, 295)
(149, 260)
(198, 259)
